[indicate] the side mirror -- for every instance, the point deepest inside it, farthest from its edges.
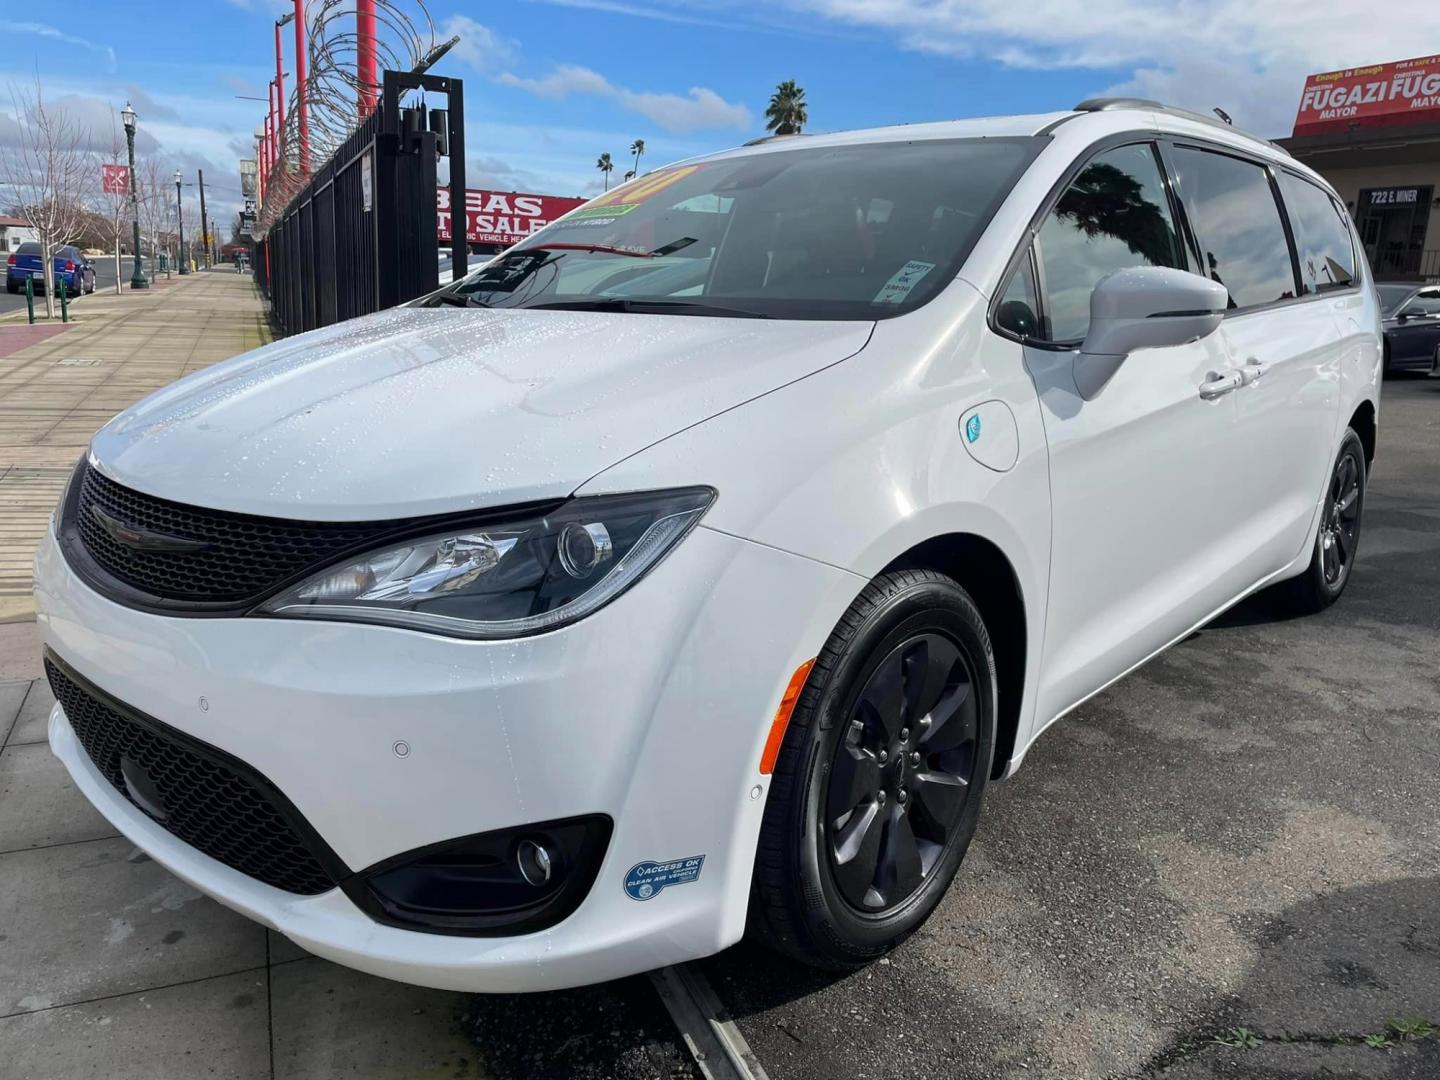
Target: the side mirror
(1144, 307)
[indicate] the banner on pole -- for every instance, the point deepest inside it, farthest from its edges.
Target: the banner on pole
(115, 179)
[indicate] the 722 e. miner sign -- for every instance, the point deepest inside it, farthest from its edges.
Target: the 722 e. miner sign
(502, 217)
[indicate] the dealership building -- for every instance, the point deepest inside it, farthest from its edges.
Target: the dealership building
(1374, 133)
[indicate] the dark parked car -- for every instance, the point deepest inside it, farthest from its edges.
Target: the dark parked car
(71, 267)
(1412, 325)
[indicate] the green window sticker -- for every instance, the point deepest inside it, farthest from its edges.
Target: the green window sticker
(902, 281)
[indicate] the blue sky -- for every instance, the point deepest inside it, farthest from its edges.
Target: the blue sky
(552, 83)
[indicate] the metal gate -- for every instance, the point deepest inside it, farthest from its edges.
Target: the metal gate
(361, 235)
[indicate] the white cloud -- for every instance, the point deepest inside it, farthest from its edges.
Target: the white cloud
(56, 34)
(480, 47)
(1248, 56)
(701, 108)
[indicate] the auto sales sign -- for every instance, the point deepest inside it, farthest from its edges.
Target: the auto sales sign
(502, 217)
(1384, 95)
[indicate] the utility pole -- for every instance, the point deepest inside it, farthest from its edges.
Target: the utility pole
(204, 235)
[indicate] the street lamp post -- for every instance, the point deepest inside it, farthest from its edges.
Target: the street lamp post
(180, 223)
(137, 276)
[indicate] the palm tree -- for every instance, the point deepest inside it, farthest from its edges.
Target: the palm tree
(637, 148)
(605, 165)
(786, 114)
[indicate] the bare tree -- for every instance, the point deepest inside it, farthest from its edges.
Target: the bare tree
(153, 189)
(48, 172)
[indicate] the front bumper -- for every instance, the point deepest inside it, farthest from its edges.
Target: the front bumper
(653, 711)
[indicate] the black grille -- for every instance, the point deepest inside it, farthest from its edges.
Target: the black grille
(246, 558)
(213, 802)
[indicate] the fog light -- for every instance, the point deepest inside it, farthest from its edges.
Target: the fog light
(535, 861)
(510, 881)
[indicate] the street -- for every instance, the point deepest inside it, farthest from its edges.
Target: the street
(104, 282)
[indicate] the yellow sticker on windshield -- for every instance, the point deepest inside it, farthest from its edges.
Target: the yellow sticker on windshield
(637, 191)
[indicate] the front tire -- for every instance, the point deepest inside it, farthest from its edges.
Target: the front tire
(1338, 538)
(880, 779)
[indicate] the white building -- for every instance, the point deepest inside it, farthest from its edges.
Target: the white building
(13, 233)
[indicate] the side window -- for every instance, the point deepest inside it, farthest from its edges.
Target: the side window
(1322, 239)
(1114, 215)
(1019, 309)
(1238, 224)
(1425, 302)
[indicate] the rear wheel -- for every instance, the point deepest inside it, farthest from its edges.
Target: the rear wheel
(878, 787)
(1338, 539)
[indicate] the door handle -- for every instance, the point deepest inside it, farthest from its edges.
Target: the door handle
(1252, 371)
(1216, 385)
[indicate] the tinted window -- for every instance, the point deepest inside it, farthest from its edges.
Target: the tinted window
(1322, 239)
(28, 248)
(1018, 305)
(1392, 296)
(1114, 215)
(850, 232)
(1242, 238)
(1426, 302)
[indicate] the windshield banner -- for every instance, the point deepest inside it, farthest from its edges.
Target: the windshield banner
(502, 217)
(1383, 95)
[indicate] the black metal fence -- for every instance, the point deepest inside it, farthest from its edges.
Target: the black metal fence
(361, 235)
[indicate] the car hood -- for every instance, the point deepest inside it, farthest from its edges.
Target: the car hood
(430, 410)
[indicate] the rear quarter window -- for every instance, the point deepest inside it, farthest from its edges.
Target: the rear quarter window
(1322, 238)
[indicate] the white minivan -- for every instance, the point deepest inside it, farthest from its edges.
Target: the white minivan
(693, 566)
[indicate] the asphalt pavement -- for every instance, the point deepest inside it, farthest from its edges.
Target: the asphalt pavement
(1244, 834)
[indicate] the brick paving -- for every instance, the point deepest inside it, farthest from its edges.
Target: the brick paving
(59, 383)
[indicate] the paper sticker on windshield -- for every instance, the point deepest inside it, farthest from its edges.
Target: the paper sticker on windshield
(902, 281)
(646, 879)
(596, 215)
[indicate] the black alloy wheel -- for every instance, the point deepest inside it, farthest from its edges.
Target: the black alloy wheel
(881, 776)
(902, 773)
(1337, 539)
(1340, 531)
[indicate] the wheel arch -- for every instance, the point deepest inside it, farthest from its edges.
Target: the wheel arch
(984, 571)
(1362, 420)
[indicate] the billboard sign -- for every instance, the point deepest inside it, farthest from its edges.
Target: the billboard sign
(502, 217)
(1382, 95)
(115, 179)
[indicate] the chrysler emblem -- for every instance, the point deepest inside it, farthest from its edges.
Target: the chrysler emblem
(138, 539)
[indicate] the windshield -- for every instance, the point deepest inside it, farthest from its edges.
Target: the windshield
(845, 232)
(1392, 296)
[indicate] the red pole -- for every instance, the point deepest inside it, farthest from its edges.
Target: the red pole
(365, 55)
(270, 127)
(302, 86)
(279, 88)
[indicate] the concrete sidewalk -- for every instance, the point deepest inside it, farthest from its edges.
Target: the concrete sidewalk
(59, 383)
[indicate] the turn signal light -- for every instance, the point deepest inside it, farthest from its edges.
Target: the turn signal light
(782, 717)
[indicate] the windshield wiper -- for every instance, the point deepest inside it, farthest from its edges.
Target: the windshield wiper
(456, 299)
(649, 307)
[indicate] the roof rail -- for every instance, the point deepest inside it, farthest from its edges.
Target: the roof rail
(1105, 104)
(774, 136)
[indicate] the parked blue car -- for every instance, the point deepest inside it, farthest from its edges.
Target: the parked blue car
(71, 268)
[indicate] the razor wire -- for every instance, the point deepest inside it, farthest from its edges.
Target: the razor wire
(403, 42)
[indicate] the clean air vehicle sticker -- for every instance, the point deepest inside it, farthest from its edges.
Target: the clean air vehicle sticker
(972, 428)
(646, 879)
(902, 281)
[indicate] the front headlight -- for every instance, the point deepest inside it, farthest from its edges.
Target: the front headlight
(504, 579)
